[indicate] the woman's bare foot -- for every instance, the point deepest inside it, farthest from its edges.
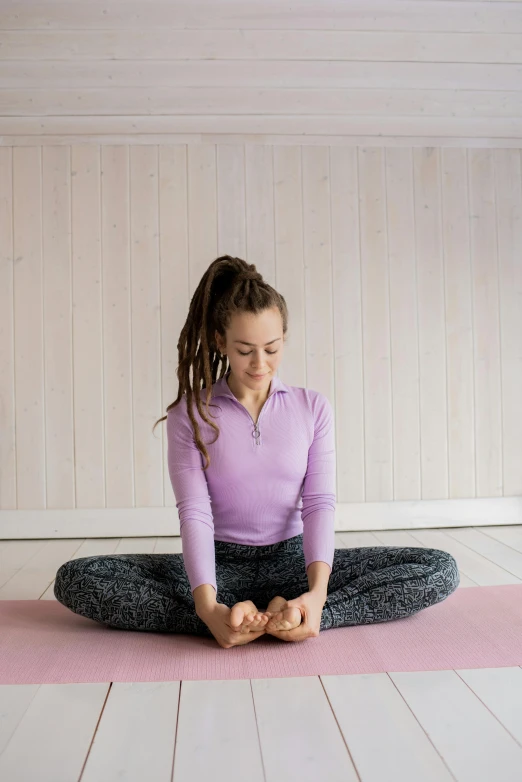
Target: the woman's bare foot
(282, 618)
(245, 617)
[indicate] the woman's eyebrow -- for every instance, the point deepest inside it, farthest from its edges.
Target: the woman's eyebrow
(252, 344)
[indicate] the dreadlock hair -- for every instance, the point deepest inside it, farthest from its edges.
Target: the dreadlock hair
(229, 286)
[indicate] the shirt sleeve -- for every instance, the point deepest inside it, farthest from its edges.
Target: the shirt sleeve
(189, 483)
(319, 487)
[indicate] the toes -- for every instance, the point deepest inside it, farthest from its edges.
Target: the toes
(252, 620)
(256, 619)
(250, 614)
(238, 616)
(276, 604)
(275, 620)
(285, 620)
(248, 621)
(235, 616)
(295, 617)
(260, 620)
(242, 614)
(245, 617)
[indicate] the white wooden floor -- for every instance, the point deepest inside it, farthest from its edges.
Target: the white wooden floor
(413, 727)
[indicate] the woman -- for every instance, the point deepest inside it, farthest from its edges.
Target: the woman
(246, 539)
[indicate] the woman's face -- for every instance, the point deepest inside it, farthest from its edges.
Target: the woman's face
(263, 355)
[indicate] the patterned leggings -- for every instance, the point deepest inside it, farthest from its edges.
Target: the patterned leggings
(151, 592)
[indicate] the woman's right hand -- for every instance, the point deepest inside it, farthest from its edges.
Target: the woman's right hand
(217, 619)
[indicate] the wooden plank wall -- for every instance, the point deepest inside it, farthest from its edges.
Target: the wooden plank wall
(365, 156)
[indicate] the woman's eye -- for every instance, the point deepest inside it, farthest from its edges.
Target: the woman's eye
(270, 352)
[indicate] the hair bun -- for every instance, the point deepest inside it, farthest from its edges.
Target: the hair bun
(250, 274)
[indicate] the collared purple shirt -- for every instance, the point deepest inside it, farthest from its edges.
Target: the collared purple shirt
(265, 483)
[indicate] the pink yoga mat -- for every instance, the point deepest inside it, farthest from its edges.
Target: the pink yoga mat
(42, 642)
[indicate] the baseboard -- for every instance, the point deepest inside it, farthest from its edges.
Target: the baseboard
(350, 516)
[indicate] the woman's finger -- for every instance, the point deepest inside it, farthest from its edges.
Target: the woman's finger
(296, 634)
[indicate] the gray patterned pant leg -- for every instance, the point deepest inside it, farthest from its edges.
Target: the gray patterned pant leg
(380, 583)
(148, 592)
(151, 592)
(367, 585)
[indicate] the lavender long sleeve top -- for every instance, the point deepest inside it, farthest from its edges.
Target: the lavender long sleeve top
(252, 490)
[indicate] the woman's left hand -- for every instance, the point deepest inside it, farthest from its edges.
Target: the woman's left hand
(310, 605)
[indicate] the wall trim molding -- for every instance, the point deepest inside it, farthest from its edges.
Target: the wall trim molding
(349, 517)
(197, 139)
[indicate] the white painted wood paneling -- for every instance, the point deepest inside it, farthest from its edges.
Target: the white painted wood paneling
(508, 176)
(486, 323)
(472, 742)
(298, 734)
(376, 325)
(239, 44)
(414, 68)
(26, 445)
(58, 349)
(7, 327)
(404, 349)
(217, 736)
(429, 266)
(417, 15)
(347, 318)
(117, 325)
(500, 690)
(231, 100)
(381, 732)
(459, 323)
(353, 152)
(87, 327)
(145, 317)
(289, 251)
(174, 277)
(58, 746)
(317, 270)
(136, 738)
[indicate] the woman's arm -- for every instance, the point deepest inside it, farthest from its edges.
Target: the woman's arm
(193, 502)
(204, 598)
(318, 575)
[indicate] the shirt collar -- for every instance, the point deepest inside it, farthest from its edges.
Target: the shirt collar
(221, 387)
